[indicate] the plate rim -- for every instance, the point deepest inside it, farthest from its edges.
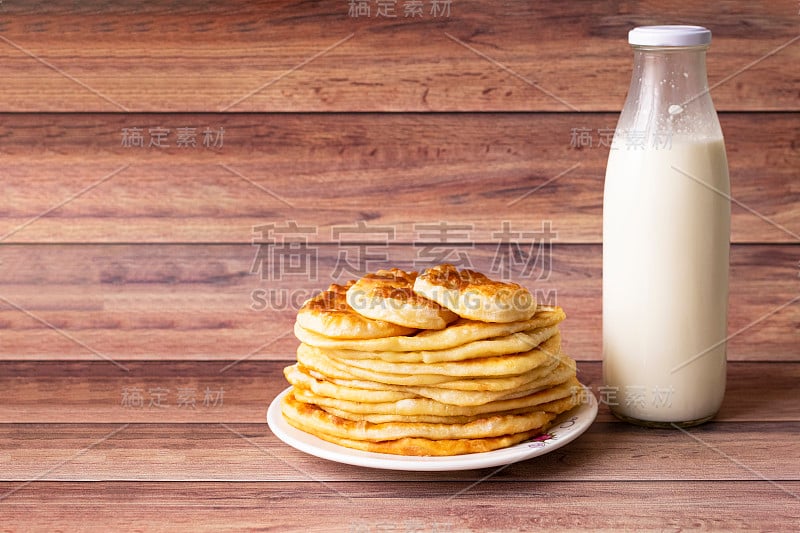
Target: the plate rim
(585, 413)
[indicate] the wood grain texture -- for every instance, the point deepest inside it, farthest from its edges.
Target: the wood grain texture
(250, 452)
(302, 56)
(88, 392)
(129, 275)
(428, 507)
(68, 178)
(190, 302)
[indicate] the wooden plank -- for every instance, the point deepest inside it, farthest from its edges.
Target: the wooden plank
(103, 56)
(89, 392)
(423, 507)
(608, 451)
(191, 302)
(69, 179)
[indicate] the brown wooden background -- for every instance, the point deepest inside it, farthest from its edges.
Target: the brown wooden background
(330, 120)
(132, 268)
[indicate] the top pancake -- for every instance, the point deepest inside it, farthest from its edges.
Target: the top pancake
(472, 295)
(330, 315)
(388, 295)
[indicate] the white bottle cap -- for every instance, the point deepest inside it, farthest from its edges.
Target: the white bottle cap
(669, 36)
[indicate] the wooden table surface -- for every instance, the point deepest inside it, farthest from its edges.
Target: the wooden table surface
(75, 453)
(144, 319)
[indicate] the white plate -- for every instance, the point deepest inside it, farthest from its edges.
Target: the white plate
(567, 428)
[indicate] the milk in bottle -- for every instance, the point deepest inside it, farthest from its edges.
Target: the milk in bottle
(666, 227)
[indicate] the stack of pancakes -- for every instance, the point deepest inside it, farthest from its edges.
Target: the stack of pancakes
(443, 363)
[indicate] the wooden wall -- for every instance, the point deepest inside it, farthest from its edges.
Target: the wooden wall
(329, 121)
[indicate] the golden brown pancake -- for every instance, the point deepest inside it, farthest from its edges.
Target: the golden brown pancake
(521, 341)
(554, 407)
(438, 438)
(372, 392)
(425, 447)
(322, 422)
(497, 365)
(473, 295)
(330, 368)
(303, 380)
(444, 363)
(389, 295)
(426, 406)
(458, 333)
(330, 315)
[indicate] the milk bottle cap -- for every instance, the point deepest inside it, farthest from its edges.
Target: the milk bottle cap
(669, 36)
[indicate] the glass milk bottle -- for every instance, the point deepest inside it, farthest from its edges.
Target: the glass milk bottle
(666, 234)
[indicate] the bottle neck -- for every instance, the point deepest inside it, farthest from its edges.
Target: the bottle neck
(676, 74)
(669, 94)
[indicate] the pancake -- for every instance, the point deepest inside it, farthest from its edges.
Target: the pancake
(319, 422)
(522, 341)
(304, 378)
(444, 363)
(427, 447)
(295, 375)
(333, 369)
(555, 407)
(426, 406)
(388, 295)
(473, 295)
(504, 384)
(499, 365)
(458, 333)
(466, 398)
(329, 314)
